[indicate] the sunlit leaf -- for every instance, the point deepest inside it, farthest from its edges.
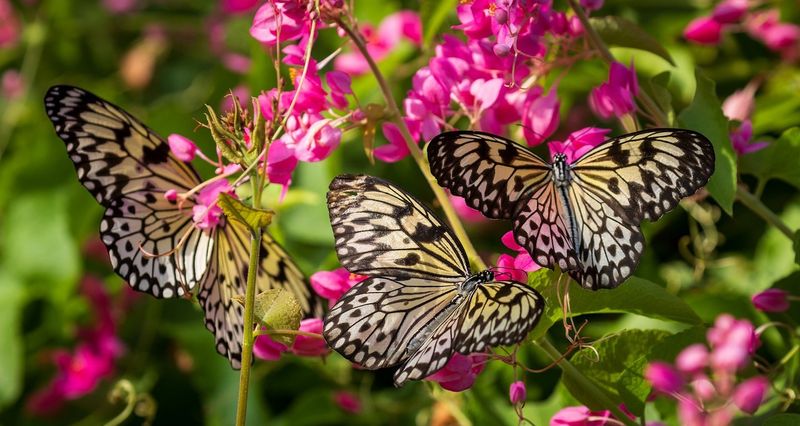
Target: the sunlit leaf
(277, 309)
(241, 212)
(778, 160)
(705, 116)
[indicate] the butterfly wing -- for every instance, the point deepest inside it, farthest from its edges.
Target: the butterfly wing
(381, 230)
(492, 173)
(377, 320)
(277, 270)
(128, 168)
(643, 175)
(494, 314)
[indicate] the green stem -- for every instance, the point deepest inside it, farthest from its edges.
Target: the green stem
(413, 148)
(247, 344)
(754, 204)
(648, 104)
(584, 382)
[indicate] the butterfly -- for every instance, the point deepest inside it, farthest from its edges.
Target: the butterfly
(420, 304)
(152, 242)
(582, 217)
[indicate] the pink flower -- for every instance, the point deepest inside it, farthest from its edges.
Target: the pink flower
(542, 117)
(339, 84)
(310, 346)
(13, 85)
(750, 393)
(317, 141)
(615, 98)
(347, 401)
(206, 213)
(730, 11)
(703, 30)
(663, 377)
(506, 270)
(703, 388)
(268, 349)
(692, 359)
(592, 4)
(182, 147)
(732, 342)
(392, 30)
(120, 7)
(578, 143)
(460, 372)
(517, 392)
(739, 105)
(238, 6)
(771, 300)
(285, 17)
(396, 150)
(741, 139)
(10, 28)
(523, 260)
(464, 211)
(281, 162)
(333, 284)
(581, 416)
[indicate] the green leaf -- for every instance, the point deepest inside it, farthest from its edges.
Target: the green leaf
(37, 242)
(796, 246)
(705, 116)
(11, 361)
(618, 31)
(433, 15)
(785, 419)
(235, 209)
(657, 87)
(636, 296)
(277, 309)
(777, 161)
(616, 364)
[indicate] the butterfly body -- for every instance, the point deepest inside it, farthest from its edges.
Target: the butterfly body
(152, 241)
(583, 217)
(420, 304)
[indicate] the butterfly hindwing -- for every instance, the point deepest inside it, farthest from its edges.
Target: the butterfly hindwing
(496, 313)
(381, 230)
(489, 171)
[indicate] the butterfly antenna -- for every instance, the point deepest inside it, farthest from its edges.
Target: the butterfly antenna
(506, 271)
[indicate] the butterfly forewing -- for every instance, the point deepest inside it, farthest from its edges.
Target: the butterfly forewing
(646, 173)
(380, 230)
(491, 173)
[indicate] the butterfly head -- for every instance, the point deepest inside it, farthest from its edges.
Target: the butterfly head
(561, 170)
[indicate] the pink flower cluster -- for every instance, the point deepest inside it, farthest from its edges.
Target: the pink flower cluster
(704, 378)
(516, 266)
(460, 372)
(399, 26)
(483, 77)
(92, 360)
(615, 98)
(10, 27)
(763, 25)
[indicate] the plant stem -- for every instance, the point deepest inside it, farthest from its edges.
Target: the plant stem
(413, 148)
(648, 104)
(249, 301)
(754, 204)
(584, 382)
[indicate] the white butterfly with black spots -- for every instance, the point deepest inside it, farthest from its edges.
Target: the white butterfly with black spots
(128, 168)
(420, 304)
(582, 217)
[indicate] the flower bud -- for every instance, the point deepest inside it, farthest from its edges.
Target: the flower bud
(750, 393)
(517, 392)
(182, 147)
(692, 359)
(771, 300)
(664, 377)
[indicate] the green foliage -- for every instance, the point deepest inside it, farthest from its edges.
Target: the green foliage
(618, 31)
(11, 361)
(277, 309)
(251, 217)
(777, 161)
(705, 116)
(616, 364)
